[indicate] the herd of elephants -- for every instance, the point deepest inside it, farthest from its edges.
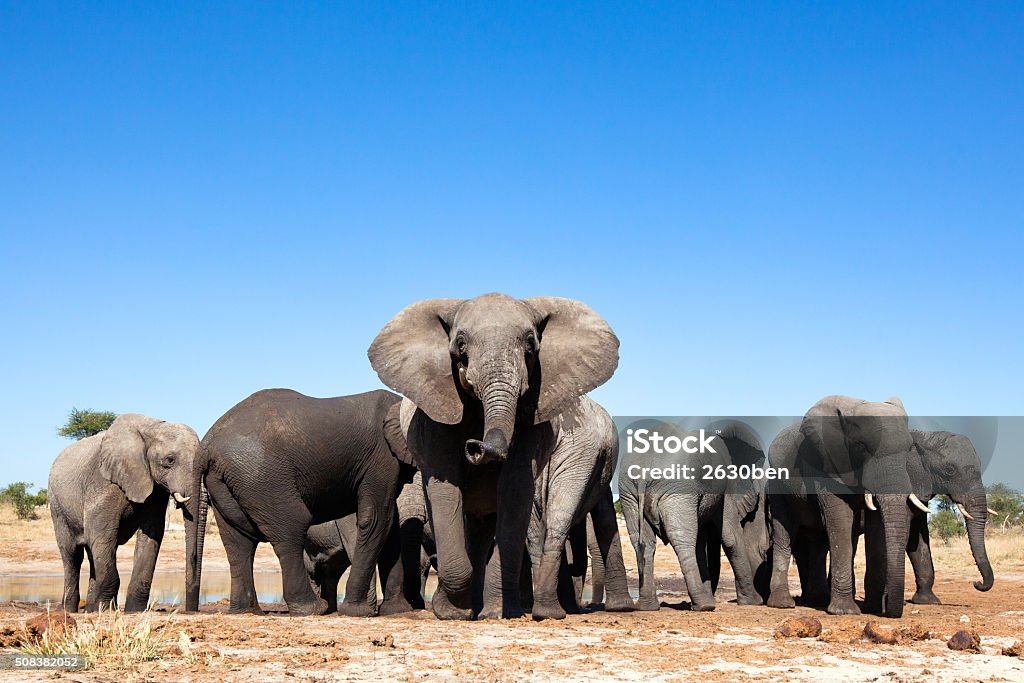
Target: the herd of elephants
(495, 468)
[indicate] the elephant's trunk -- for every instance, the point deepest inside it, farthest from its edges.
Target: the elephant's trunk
(194, 539)
(894, 511)
(499, 393)
(977, 506)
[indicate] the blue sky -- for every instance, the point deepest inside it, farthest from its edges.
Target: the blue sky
(768, 203)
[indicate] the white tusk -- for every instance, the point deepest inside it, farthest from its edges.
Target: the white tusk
(869, 500)
(992, 512)
(963, 511)
(464, 381)
(917, 503)
(180, 498)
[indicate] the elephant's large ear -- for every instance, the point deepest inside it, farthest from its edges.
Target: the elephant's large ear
(123, 456)
(578, 352)
(411, 356)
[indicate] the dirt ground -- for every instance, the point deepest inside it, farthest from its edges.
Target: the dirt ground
(732, 643)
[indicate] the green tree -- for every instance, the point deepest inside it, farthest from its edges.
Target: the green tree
(946, 525)
(83, 423)
(1008, 504)
(24, 503)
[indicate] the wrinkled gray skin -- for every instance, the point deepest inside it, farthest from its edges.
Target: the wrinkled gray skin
(327, 556)
(695, 516)
(947, 464)
(940, 463)
(484, 378)
(852, 448)
(572, 484)
(280, 462)
(107, 487)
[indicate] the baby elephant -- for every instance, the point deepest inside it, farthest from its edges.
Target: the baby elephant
(327, 552)
(105, 488)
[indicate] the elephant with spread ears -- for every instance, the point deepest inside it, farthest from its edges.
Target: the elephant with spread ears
(109, 486)
(848, 456)
(484, 381)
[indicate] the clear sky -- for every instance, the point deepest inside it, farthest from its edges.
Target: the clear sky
(769, 203)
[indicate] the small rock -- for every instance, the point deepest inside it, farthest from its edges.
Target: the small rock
(386, 641)
(58, 624)
(877, 633)
(967, 641)
(964, 619)
(802, 627)
(1015, 650)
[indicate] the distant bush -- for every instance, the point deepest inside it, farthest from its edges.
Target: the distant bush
(18, 496)
(946, 525)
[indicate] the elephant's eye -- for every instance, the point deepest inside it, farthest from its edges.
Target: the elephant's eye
(460, 345)
(531, 344)
(169, 461)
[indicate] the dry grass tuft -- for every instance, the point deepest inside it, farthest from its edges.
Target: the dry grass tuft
(112, 641)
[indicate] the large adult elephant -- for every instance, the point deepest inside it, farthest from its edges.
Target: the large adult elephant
(941, 463)
(107, 487)
(856, 457)
(485, 379)
(696, 514)
(278, 463)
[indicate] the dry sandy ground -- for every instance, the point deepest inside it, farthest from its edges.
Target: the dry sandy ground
(731, 644)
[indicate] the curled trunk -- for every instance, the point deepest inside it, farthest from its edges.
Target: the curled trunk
(500, 398)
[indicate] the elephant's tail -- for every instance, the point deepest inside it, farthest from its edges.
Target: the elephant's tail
(196, 534)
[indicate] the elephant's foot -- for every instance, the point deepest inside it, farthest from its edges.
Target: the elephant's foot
(754, 599)
(547, 609)
(925, 596)
(650, 604)
(619, 603)
(444, 609)
(843, 605)
(781, 600)
(316, 606)
(246, 609)
(702, 606)
(356, 608)
(396, 606)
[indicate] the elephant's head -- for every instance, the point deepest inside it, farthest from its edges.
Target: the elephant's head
(529, 358)
(865, 449)
(138, 453)
(950, 465)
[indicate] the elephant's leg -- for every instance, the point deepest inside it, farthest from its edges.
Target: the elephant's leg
(391, 569)
(681, 522)
(147, 548)
(609, 567)
(375, 522)
(453, 597)
(103, 557)
(816, 589)
(713, 545)
(241, 550)
(413, 556)
(736, 553)
(597, 569)
(874, 556)
(570, 586)
(515, 502)
(838, 516)
(71, 557)
(545, 598)
(90, 595)
(920, 553)
(782, 551)
(643, 539)
(480, 538)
